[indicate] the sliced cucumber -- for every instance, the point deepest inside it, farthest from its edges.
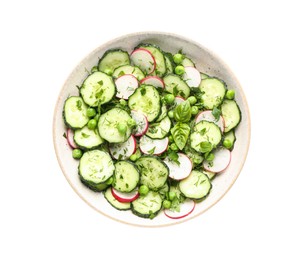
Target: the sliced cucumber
(147, 206)
(188, 62)
(175, 85)
(94, 187)
(113, 59)
(195, 157)
(86, 138)
(126, 176)
(231, 137)
(163, 113)
(231, 114)
(170, 65)
(160, 129)
(214, 91)
(75, 112)
(113, 126)
(205, 132)
(154, 173)
(209, 174)
(195, 186)
(128, 69)
(114, 202)
(157, 53)
(95, 167)
(97, 89)
(204, 76)
(146, 99)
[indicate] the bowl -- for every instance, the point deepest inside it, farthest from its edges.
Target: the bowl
(206, 61)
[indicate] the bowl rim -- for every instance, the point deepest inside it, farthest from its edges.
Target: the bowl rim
(156, 33)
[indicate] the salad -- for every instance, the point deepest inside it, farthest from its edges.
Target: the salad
(151, 131)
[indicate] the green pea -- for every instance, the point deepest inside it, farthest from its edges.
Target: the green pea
(92, 124)
(167, 204)
(194, 110)
(171, 114)
(110, 181)
(122, 128)
(108, 71)
(230, 94)
(131, 122)
(178, 58)
(171, 195)
(197, 161)
(179, 70)
(227, 143)
(174, 147)
(169, 98)
(192, 100)
(171, 139)
(77, 153)
(133, 157)
(210, 157)
(123, 102)
(143, 190)
(91, 112)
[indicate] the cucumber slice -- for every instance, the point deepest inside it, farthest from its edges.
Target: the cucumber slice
(97, 89)
(154, 173)
(110, 123)
(170, 65)
(95, 167)
(94, 187)
(114, 202)
(126, 176)
(128, 69)
(160, 129)
(231, 114)
(195, 186)
(188, 62)
(231, 137)
(113, 59)
(175, 85)
(86, 138)
(214, 91)
(147, 206)
(146, 100)
(75, 112)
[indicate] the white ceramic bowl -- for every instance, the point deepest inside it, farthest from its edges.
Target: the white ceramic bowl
(205, 61)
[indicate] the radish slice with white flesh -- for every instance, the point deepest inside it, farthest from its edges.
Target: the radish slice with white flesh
(192, 77)
(125, 197)
(124, 150)
(178, 100)
(70, 138)
(142, 123)
(185, 209)
(221, 161)
(179, 171)
(126, 85)
(153, 81)
(143, 59)
(208, 116)
(153, 146)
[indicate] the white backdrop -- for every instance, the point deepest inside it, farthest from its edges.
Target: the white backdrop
(261, 217)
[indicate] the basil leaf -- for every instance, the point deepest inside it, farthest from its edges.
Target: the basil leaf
(216, 113)
(180, 133)
(205, 147)
(182, 113)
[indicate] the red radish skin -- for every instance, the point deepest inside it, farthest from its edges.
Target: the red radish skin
(207, 116)
(143, 59)
(178, 100)
(186, 209)
(158, 146)
(192, 77)
(70, 138)
(125, 149)
(153, 81)
(126, 85)
(125, 197)
(222, 159)
(181, 171)
(142, 120)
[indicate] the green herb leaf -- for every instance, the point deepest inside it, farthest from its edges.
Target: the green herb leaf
(79, 104)
(205, 147)
(173, 156)
(182, 113)
(84, 135)
(121, 73)
(64, 135)
(180, 133)
(100, 82)
(142, 91)
(216, 113)
(152, 150)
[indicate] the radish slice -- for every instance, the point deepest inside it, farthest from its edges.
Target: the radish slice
(179, 171)
(124, 150)
(192, 77)
(70, 138)
(153, 146)
(153, 81)
(222, 157)
(125, 197)
(142, 123)
(185, 209)
(207, 116)
(143, 59)
(126, 85)
(178, 100)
